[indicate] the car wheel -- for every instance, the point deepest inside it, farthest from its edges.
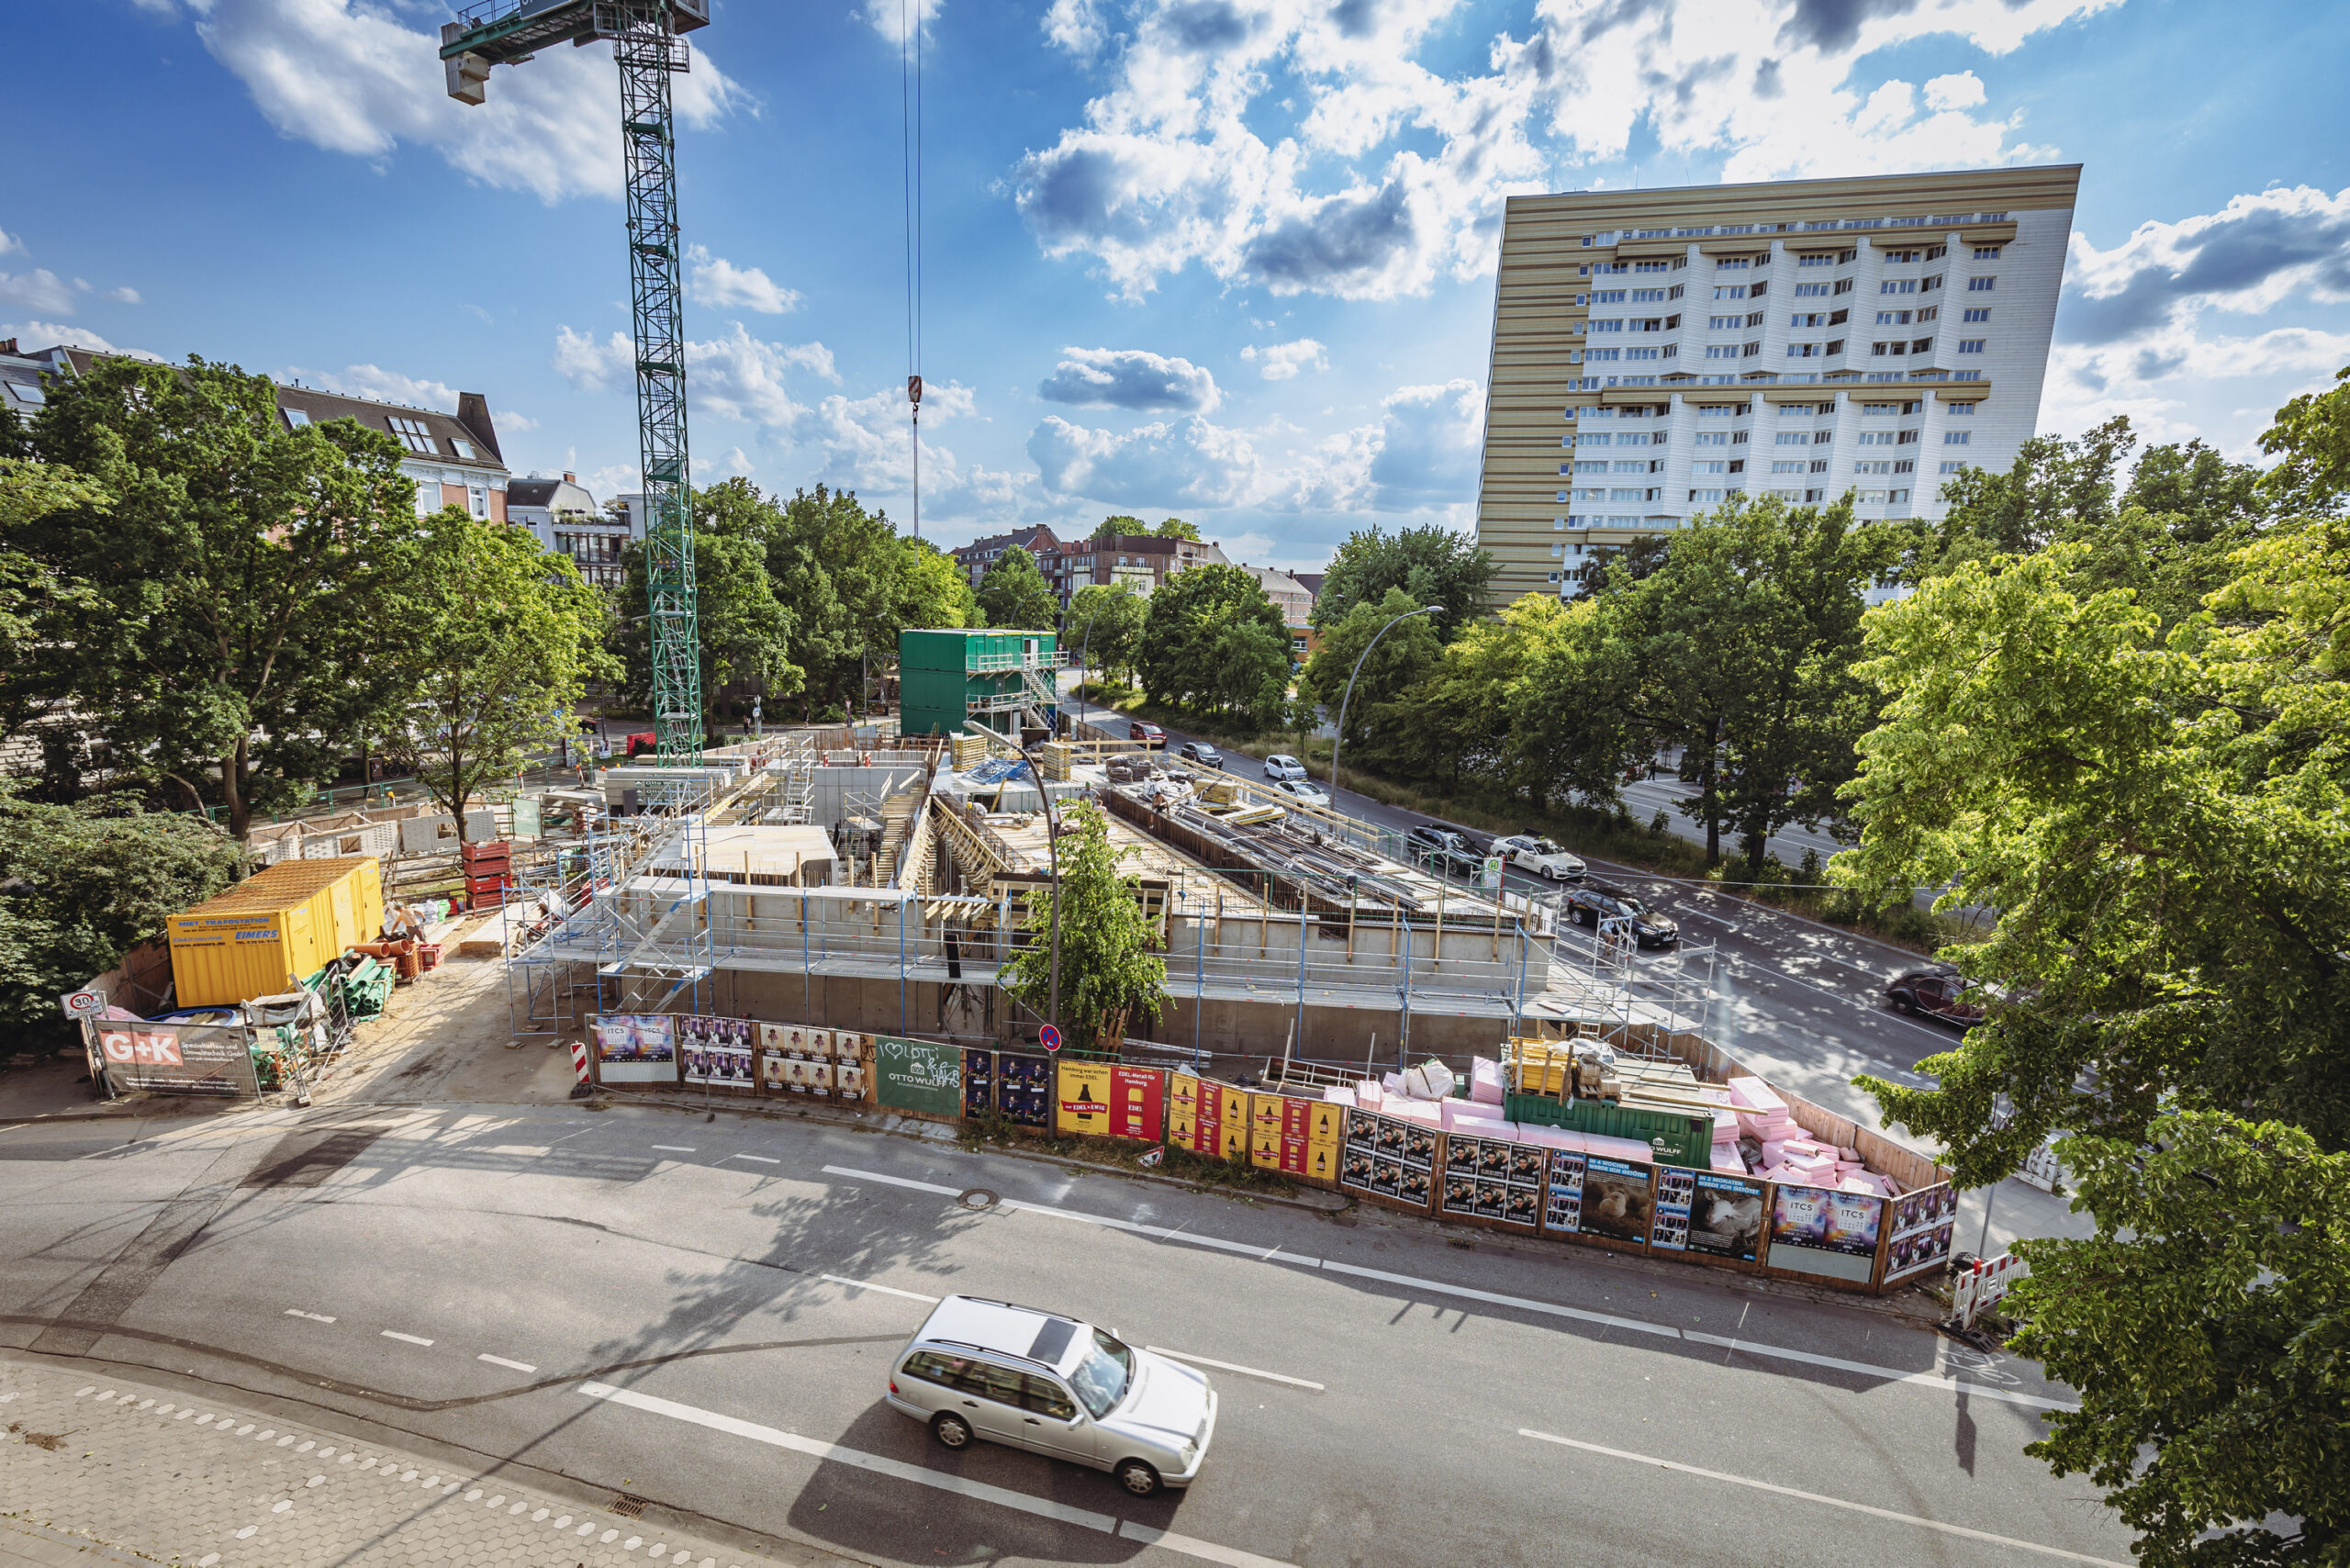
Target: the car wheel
(1587, 917)
(951, 1431)
(1902, 1004)
(1137, 1477)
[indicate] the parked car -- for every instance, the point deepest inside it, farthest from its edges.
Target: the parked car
(1597, 902)
(1202, 753)
(1055, 1385)
(1443, 850)
(1299, 789)
(1279, 766)
(1540, 855)
(1938, 990)
(1149, 735)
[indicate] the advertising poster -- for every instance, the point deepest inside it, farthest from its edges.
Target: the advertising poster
(1323, 1122)
(1675, 1189)
(1264, 1146)
(849, 1044)
(1391, 1138)
(1184, 1092)
(921, 1076)
(1419, 1147)
(1137, 1102)
(1856, 1222)
(178, 1059)
(1081, 1098)
(1522, 1205)
(1917, 1252)
(1814, 1231)
(1321, 1161)
(1457, 1193)
(1618, 1198)
(849, 1081)
(1102, 1100)
(819, 1042)
(1726, 1216)
(1361, 1130)
(636, 1048)
(771, 1070)
(1231, 1123)
(1356, 1168)
(1024, 1089)
(979, 1082)
(1527, 1164)
(1493, 1199)
(1800, 1217)
(1416, 1185)
(771, 1037)
(1492, 1159)
(718, 1052)
(820, 1078)
(1461, 1156)
(1387, 1177)
(1562, 1196)
(1921, 1225)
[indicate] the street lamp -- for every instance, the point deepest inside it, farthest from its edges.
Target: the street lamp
(1338, 738)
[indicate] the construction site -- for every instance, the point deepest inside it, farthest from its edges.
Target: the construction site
(883, 890)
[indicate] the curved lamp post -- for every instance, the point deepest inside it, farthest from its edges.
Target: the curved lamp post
(1338, 739)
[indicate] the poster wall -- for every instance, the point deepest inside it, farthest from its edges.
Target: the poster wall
(636, 1048)
(1618, 1199)
(921, 1076)
(979, 1082)
(1726, 1216)
(1023, 1093)
(1817, 1230)
(1371, 1160)
(1920, 1223)
(1104, 1100)
(1562, 1193)
(1676, 1189)
(718, 1052)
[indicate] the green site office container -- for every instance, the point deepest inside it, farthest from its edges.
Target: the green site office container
(1678, 1139)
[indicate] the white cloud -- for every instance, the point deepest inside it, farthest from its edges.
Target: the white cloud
(9, 242)
(1422, 453)
(1395, 175)
(1186, 462)
(348, 76)
(714, 280)
(897, 20)
(49, 334)
(591, 365)
(1282, 362)
(125, 295)
(739, 376)
(1075, 27)
(508, 422)
(383, 385)
(1130, 379)
(38, 290)
(739, 464)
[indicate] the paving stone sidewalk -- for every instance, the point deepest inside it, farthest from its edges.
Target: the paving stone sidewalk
(107, 1471)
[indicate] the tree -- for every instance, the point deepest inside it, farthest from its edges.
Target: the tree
(240, 575)
(1176, 528)
(1213, 641)
(1104, 622)
(1109, 972)
(32, 595)
(496, 663)
(2313, 435)
(1118, 525)
(2206, 1321)
(1015, 594)
(81, 885)
(746, 633)
(1432, 564)
(1462, 716)
(1407, 652)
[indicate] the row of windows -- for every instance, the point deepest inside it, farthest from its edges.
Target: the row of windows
(1739, 410)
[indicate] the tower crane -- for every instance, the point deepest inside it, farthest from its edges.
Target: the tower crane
(646, 45)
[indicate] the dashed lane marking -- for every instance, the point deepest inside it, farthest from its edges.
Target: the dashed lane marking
(406, 1338)
(885, 1290)
(1236, 1367)
(1817, 1498)
(502, 1362)
(313, 1317)
(675, 1147)
(760, 1157)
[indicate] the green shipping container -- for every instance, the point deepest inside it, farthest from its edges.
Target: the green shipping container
(1677, 1139)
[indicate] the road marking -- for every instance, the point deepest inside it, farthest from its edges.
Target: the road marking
(406, 1338)
(502, 1362)
(313, 1317)
(834, 1454)
(1235, 1367)
(1817, 1498)
(675, 1147)
(760, 1157)
(885, 1290)
(1953, 1380)
(1189, 1545)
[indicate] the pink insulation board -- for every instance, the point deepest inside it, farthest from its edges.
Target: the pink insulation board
(1484, 1082)
(1755, 1096)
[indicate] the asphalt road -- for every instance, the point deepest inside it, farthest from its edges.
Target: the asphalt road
(702, 1312)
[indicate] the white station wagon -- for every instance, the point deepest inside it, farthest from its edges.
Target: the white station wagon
(1054, 1385)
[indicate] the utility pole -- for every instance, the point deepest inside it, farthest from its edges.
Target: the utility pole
(645, 46)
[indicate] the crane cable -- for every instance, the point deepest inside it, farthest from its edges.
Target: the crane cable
(910, 92)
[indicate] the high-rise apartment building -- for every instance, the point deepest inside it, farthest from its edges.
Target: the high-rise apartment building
(1657, 351)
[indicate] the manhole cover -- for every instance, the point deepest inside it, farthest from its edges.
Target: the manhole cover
(977, 1198)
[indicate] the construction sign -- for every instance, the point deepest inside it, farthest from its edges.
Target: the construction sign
(1104, 1100)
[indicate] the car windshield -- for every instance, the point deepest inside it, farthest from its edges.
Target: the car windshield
(1101, 1379)
(1544, 846)
(1631, 906)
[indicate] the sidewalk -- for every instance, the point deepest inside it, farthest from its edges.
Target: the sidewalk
(107, 1471)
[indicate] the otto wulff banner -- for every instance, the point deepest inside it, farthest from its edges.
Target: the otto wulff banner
(1104, 1100)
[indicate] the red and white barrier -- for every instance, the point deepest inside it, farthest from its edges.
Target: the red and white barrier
(579, 1060)
(1981, 1283)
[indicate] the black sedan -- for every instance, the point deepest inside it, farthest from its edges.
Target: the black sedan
(1937, 990)
(1590, 905)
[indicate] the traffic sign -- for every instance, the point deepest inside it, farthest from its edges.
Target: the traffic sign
(83, 1004)
(1049, 1037)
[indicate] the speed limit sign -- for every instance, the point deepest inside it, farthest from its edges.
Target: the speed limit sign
(83, 1004)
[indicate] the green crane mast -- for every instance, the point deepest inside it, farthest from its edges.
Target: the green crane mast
(648, 49)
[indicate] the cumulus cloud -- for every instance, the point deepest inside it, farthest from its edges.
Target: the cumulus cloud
(1130, 379)
(897, 20)
(2249, 256)
(591, 365)
(124, 296)
(51, 334)
(38, 290)
(10, 242)
(714, 280)
(1421, 453)
(1282, 362)
(1186, 462)
(739, 376)
(372, 381)
(1395, 175)
(1075, 27)
(353, 78)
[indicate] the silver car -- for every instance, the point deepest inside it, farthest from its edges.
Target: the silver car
(1049, 1383)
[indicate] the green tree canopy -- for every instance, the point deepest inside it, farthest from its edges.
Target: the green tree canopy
(1118, 525)
(504, 637)
(1015, 594)
(239, 575)
(1213, 641)
(1432, 566)
(745, 631)
(1111, 970)
(1405, 654)
(1105, 622)
(81, 885)
(1176, 528)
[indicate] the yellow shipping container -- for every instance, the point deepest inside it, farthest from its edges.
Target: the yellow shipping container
(286, 922)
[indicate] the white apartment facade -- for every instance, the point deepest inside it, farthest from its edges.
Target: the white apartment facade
(1657, 351)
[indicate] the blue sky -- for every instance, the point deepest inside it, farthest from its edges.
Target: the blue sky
(1225, 259)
